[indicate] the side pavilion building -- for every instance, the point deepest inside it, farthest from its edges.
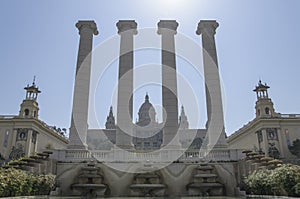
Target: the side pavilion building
(269, 133)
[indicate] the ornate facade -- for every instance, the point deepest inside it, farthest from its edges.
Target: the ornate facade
(270, 133)
(25, 134)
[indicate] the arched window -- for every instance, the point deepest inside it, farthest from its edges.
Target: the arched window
(258, 112)
(26, 112)
(267, 110)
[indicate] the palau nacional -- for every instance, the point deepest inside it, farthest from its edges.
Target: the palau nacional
(147, 158)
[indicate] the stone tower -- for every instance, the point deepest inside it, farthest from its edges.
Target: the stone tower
(264, 106)
(29, 107)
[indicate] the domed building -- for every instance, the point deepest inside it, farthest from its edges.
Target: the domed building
(148, 132)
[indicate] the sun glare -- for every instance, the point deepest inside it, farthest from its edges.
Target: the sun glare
(171, 3)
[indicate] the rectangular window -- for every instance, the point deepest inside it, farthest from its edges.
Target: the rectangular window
(272, 134)
(6, 136)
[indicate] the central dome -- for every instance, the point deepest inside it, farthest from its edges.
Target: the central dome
(146, 113)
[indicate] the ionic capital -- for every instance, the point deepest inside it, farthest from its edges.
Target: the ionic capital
(167, 25)
(207, 26)
(87, 24)
(127, 25)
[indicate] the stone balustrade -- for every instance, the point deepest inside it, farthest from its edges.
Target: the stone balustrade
(290, 115)
(163, 155)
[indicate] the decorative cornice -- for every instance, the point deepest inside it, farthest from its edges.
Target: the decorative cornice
(260, 123)
(40, 123)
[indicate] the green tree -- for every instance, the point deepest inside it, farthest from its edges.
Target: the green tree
(295, 148)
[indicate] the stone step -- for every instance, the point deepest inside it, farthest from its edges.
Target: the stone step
(205, 175)
(204, 168)
(89, 186)
(147, 176)
(205, 185)
(153, 186)
(90, 176)
(87, 168)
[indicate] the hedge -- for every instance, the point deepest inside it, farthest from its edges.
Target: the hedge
(284, 180)
(14, 182)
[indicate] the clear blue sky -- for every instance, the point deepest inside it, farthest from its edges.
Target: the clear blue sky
(256, 39)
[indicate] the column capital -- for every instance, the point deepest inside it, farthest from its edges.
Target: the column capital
(167, 24)
(87, 24)
(127, 25)
(207, 26)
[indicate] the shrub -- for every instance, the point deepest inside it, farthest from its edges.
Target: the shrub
(284, 180)
(14, 182)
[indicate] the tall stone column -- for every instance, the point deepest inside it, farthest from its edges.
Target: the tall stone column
(126, 30)
(215, 122)
(167, 30)
(79, 120)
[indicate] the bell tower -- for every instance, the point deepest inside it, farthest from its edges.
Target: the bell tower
(264, 106)
(29, 107)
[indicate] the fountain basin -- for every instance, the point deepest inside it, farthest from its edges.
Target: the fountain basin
(206, 189)
(90, 190)
(152, 186)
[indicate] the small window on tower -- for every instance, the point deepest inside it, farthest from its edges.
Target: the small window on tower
(34, 114)
(267, 111)
(26, 112)
(258, 111)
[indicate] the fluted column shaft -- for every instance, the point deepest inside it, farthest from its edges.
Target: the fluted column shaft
(167, 30)
(126, 30)
(79, 120)
(215, 116)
